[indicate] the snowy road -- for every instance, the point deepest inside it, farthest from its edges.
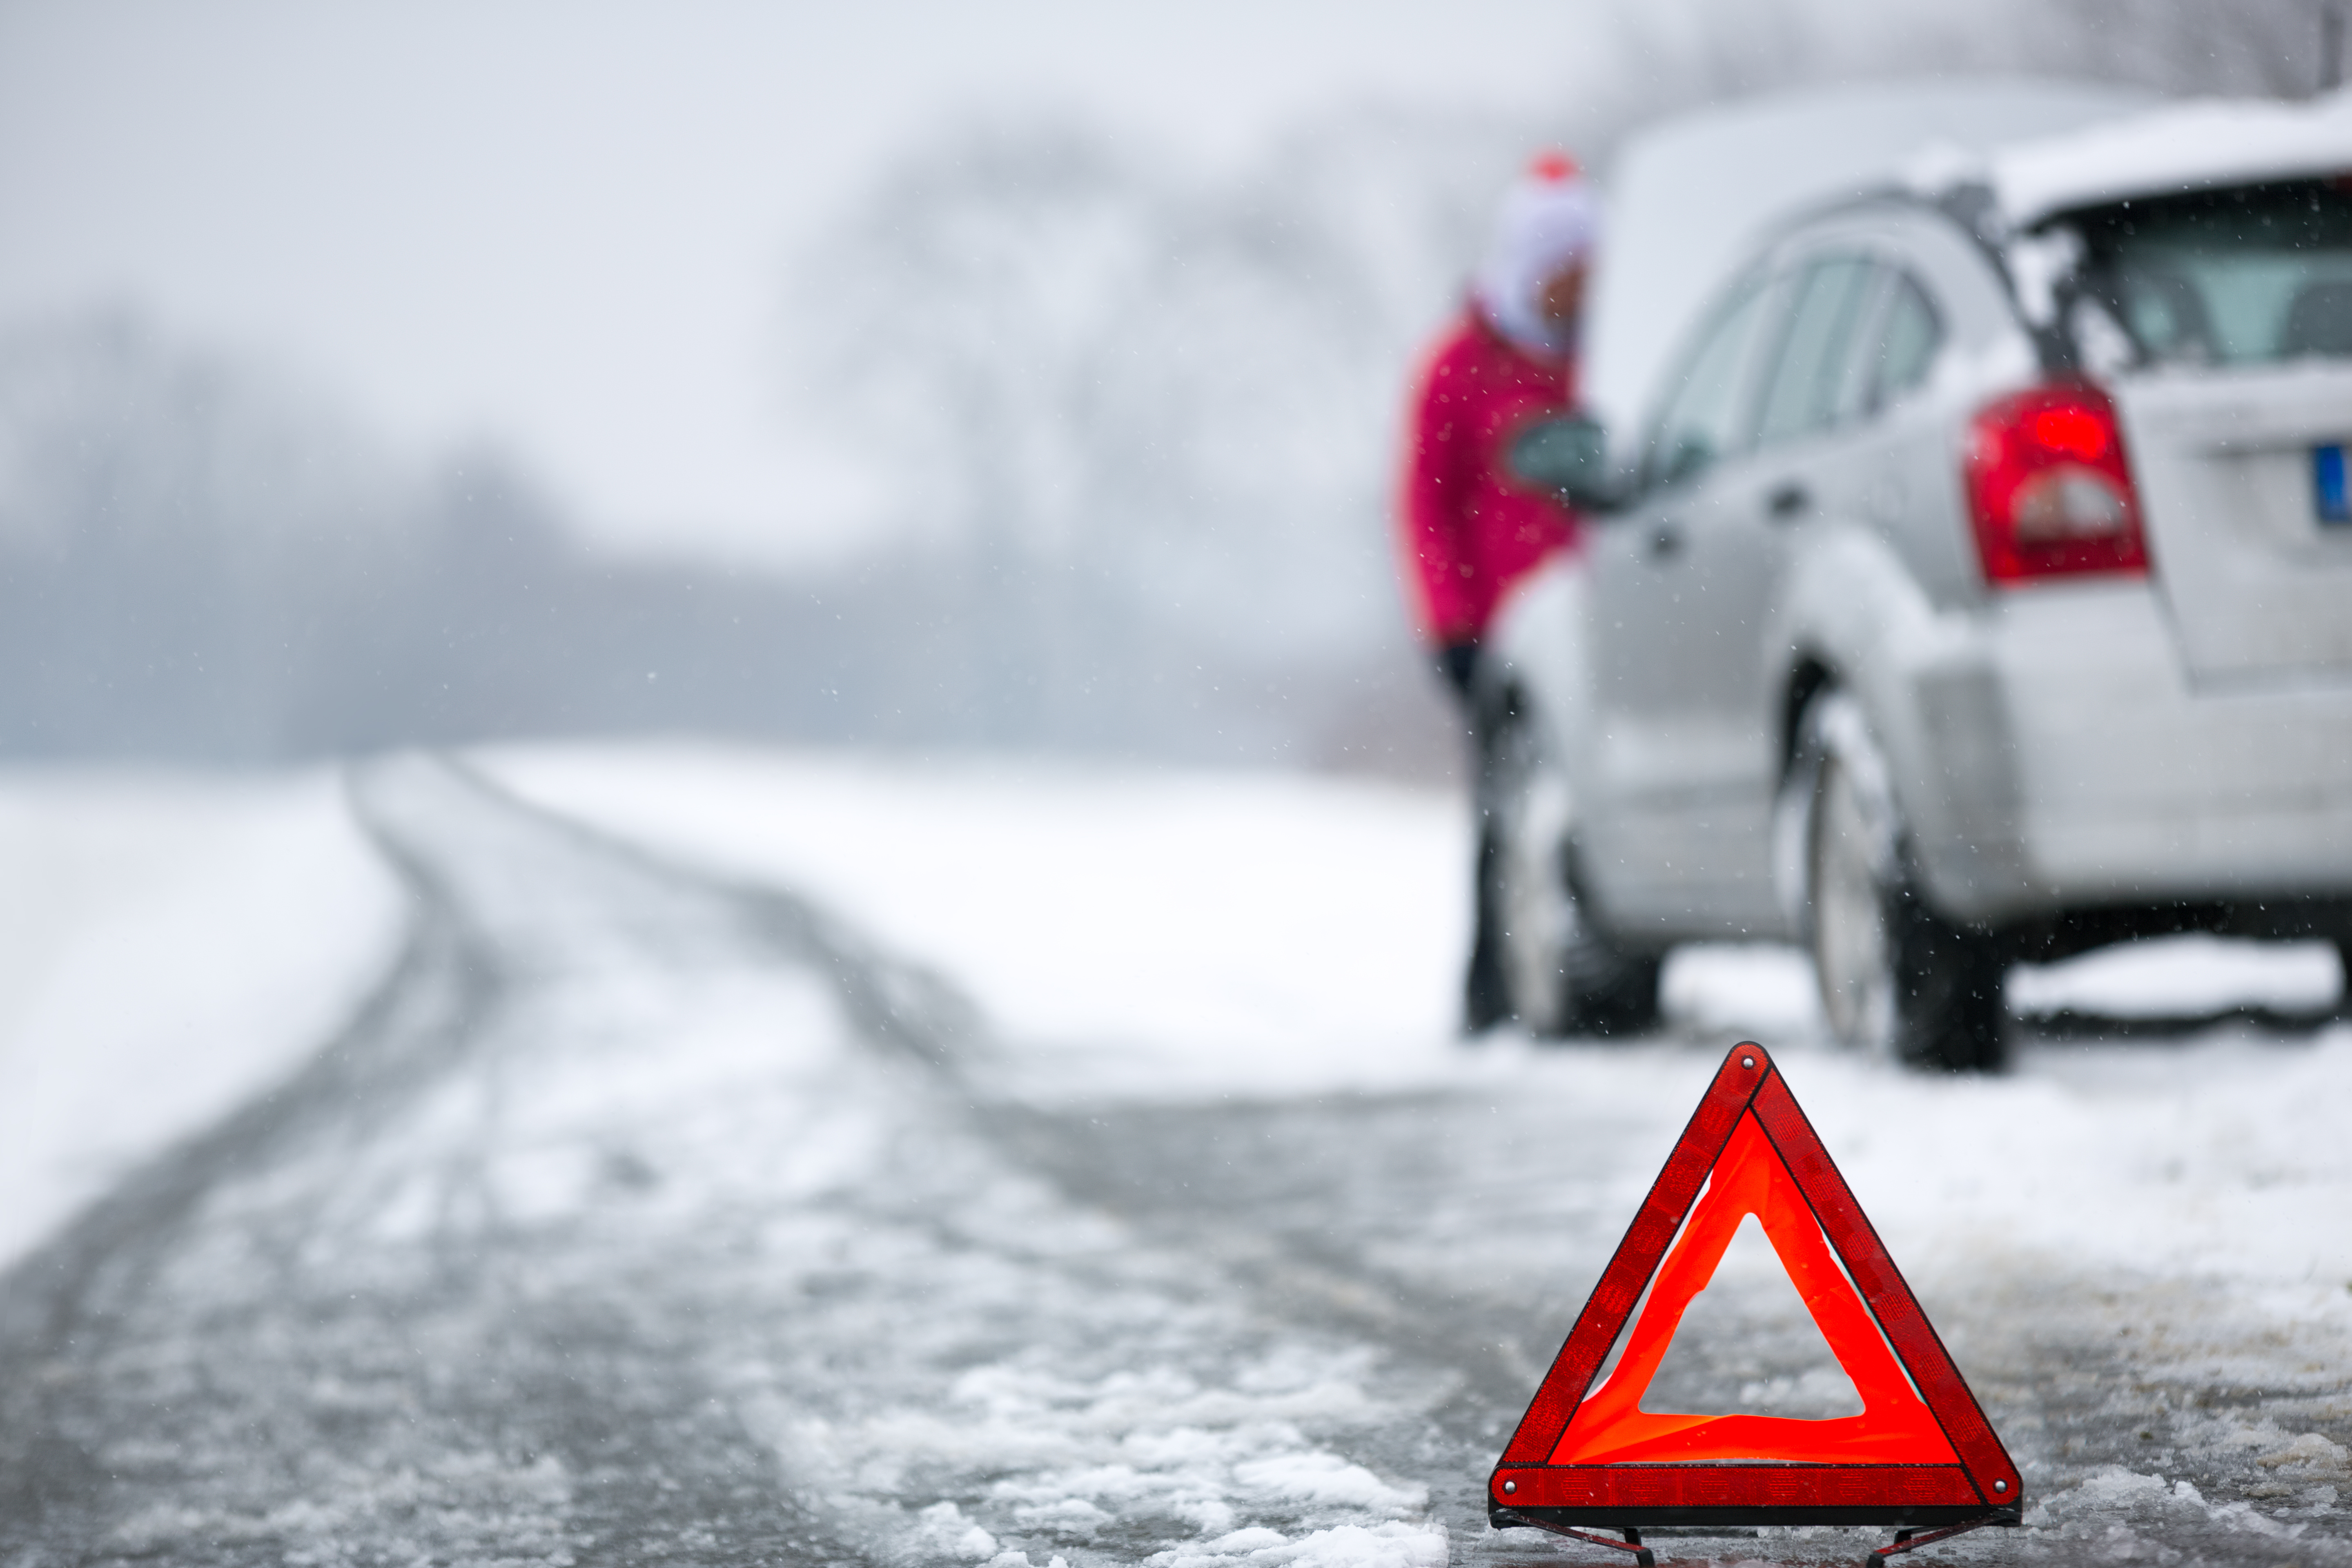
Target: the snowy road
(648, 1214)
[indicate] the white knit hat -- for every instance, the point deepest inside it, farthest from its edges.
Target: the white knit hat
(1549, 218)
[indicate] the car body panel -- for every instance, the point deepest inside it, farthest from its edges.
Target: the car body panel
(2139, 783)
(1682, 768)
(1925, 677)
(2258, 584)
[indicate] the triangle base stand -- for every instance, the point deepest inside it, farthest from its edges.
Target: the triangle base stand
(1905, 1540)
(1911, 1540)
(1643, 1556)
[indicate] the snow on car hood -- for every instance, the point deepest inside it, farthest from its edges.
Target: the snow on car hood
(2188, 147)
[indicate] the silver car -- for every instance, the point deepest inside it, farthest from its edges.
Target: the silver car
(1983, 594)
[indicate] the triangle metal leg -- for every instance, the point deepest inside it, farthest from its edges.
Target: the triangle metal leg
(1911, 1540)
(1643, 1556)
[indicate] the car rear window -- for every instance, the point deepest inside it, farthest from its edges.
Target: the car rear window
(2250, 275)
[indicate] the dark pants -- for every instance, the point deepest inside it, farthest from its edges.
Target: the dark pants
(1485, 997)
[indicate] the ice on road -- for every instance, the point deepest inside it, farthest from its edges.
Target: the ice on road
(831, 1181)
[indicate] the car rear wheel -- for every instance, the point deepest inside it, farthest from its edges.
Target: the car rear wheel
(1560, 974)
(1896, 978)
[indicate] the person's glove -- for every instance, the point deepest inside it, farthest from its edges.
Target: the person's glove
(1458, 662)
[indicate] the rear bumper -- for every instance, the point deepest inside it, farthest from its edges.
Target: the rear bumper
(2064, 760)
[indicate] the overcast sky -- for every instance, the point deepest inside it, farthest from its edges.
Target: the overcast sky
(562, 226)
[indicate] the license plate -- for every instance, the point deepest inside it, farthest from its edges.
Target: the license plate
(2327, 488)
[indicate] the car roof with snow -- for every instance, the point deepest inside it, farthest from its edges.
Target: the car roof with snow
(1691, 195)
(2187, 147)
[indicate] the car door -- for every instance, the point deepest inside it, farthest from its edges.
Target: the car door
(1797, 471)
(1646, 849)
(1684, 663)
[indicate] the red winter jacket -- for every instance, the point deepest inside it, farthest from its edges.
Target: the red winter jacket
(1470, 529)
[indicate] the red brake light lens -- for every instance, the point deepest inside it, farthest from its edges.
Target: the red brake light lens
(2048, 489)
(2071, 429)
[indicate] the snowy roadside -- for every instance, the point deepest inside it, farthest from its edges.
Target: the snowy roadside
(2142, 1223)
(1140, 933)
(1134, 935)
(171, 944)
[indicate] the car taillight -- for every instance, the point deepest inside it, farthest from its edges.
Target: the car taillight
(2048, 489)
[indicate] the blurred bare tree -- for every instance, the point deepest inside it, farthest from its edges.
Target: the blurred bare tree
(1675, 54)
(198, 561)
(1143, 423)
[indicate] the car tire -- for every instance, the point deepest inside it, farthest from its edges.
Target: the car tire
(1560, 974)
(1897, 979)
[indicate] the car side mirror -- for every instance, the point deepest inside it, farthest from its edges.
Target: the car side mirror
(1570, 457)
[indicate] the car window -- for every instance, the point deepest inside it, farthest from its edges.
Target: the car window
(2247, 275)
(1815, 346)
(1858, 366)
(1909, 332)
(1704, 418)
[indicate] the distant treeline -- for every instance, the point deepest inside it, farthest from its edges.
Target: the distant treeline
(195, 566)
(1136, 432)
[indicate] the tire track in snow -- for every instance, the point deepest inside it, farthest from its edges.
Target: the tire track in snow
(241, 1414)
(605, 1200)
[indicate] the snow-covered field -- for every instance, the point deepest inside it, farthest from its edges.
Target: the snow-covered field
(169, 945)
(1140, 933)
(1032, 1161)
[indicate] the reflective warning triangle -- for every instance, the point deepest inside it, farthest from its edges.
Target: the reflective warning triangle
(1921, 1452)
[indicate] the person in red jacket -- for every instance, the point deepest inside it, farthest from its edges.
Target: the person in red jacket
(1470, 529)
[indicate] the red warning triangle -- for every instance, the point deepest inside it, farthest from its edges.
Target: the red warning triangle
(1921, 1452)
